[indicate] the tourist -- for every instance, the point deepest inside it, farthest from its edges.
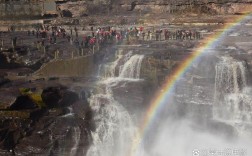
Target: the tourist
(76, 32)
(148, 35)
(151, 34)
(43, 34)
(68, 38)
(14, 42)
(54, 39)
(143, 35)
(71, 31)
(160, 34)
(157, 35)
(166, 34)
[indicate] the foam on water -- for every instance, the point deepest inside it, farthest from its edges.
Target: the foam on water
(115, 130)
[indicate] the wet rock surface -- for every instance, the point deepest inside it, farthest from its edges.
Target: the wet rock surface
(58, 97)
(59, 124)
(23, 102)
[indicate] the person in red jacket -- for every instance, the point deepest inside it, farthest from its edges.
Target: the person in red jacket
(141, 29)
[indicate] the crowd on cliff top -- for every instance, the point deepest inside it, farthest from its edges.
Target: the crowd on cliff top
(102, 34)
(99, 36)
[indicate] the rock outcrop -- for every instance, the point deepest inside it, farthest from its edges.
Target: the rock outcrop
(54, 122)
(23, 102)
(157, 6)
(58, 97)
(66, 13)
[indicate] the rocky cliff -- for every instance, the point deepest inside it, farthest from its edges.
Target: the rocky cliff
(81, 8)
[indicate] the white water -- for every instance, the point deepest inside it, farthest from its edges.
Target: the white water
(233, 102)
(230, 76)
(76, 138)
(70, 114)
(115, 130)
(182, 139)
(111, 70)
(131, 69)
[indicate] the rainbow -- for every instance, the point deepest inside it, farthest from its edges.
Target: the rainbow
(163, 97)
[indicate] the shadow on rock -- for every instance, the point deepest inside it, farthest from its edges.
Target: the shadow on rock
(55, 97)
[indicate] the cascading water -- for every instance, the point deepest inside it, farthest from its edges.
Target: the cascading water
(112, 69)
(76, 138)
(231, 75)
(131, 69)
(232, 101)
(114, 127)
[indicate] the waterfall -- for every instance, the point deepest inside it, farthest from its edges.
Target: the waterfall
(132, 67)
(232, 100)
(231, 75)
(115, 130)
(112, 69)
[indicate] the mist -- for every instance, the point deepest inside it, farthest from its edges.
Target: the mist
(183, 138)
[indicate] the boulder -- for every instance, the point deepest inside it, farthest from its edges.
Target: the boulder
(51, 96)
(68, 98)
(66, 13)
(23, 102)
(55, 97)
